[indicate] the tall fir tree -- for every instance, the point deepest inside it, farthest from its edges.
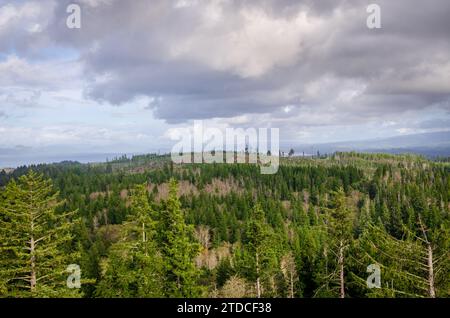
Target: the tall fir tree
(36, 242)
(134, 266)
(339, 226)
(289, 270)
(179, 249)
(415, 266)
(259, 244)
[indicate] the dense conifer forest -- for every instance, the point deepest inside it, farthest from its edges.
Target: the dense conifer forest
(145, 227)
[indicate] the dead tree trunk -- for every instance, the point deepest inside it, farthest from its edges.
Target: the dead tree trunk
(291, 285)
(341, 270)
(143, 232)
(33, 265)
(258, 283)
(431, 290)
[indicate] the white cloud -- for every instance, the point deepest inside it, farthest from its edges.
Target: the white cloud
(10, 14)
(84, 135)
(310, 68)
(19, 72)
(249, 43)
(29, 17)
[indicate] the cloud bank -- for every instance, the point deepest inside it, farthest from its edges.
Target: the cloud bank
(312, 68)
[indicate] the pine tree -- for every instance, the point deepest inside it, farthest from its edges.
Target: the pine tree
(415, 266)
(259, 244)
(36, 242)
(179, 249)
(289, 271)
(339, 231)
(134, 266)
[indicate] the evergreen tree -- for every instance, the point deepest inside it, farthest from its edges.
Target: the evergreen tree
(137, 244)
(134, 267)
(259, 244)
(339, 229)
(36, 242)
(289, 271)
(179, 248)
(415, 266)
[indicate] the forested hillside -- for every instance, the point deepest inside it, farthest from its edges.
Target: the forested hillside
(144, 227)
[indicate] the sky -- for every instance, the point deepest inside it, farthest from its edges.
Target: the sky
(137, 72)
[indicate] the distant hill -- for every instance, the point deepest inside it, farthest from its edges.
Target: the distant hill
(429, 144)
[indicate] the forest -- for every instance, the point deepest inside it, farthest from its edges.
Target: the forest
(144, 227)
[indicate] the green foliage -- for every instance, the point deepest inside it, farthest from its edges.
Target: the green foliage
(260, 248)
(340, 218)
(36, 242)
(134, 267)
(136, 236)
(404, 263)
(178, 248)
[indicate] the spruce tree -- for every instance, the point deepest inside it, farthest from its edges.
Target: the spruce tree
(415, 266)
(36, 242)
(339, 226)
(289, 270)
(259, 244)
(179, 248)
(134, 266)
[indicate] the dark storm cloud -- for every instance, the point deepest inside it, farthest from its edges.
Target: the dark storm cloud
(206, 59)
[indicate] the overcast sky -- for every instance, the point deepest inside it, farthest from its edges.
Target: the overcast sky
(136, 71)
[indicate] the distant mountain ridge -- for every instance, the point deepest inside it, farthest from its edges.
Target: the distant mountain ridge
(428, 144)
